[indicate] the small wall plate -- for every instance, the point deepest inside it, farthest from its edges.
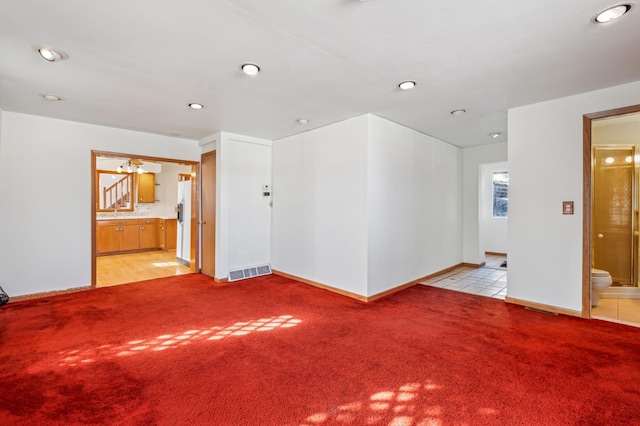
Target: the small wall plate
(567, 207)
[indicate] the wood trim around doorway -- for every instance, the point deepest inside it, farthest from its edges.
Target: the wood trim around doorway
(587, 165)
(194, 202)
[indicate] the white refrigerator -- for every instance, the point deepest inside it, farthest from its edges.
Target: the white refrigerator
(183, 245)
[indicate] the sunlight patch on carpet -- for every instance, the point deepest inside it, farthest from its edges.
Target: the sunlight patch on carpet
(406, 406)
(171, 341)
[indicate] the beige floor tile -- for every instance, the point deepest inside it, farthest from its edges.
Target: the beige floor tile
(625, 310)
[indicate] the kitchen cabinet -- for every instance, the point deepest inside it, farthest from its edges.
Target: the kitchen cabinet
(117, 235)
(107, 236)
(148, 233)
(167, 233)
(146, 188)
(129, 239)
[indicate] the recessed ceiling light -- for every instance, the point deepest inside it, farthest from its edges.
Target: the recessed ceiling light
(194, 105)
(52, 97)
(302, 121)
(250, 69)
(612, 13)
(495, 134)
(51, 55)
(458, 111)
(407, 85)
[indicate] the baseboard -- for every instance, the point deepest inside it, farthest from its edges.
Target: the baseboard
(359, 296)
(221, 280)
(13, 299)
(320, 285)
(543, 307)
(472, 265)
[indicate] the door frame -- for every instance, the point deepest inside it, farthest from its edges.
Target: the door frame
(195, 203)
(587, 164)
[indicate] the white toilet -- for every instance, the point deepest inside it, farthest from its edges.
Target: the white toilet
(599, 281)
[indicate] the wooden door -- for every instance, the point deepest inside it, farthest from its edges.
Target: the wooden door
(208, 186)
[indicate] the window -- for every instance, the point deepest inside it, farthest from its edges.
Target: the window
(500, 194)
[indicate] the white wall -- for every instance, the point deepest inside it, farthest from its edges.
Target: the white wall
(167, 190)
(320, 206)
(243, 214)
(366, 205)
(414, 205)
(45, 225)
(472, 158)
(493, 230)
(621, 130)
(545, 168)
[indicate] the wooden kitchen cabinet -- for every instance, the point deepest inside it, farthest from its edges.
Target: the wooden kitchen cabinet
(107, 236)
(148, 233)
(129, 238)
(146, 188)
(167, 234)
(125, 235)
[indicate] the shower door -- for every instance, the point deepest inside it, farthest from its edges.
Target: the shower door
(613, 218)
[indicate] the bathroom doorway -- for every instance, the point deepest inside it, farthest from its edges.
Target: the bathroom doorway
(614, 205)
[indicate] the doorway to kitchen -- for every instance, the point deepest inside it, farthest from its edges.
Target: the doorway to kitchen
(135, 217)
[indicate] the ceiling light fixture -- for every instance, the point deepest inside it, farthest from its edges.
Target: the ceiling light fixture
(51, 97)
(250, 69)
(612, 13)
(407, 85)
(194, 105)
(130, 166)
(495, 135)
(458, 111)
(302, 121)
(51, 55)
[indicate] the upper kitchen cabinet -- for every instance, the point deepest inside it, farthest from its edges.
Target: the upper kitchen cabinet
(146, 188)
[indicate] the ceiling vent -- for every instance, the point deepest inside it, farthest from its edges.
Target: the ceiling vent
(249, 272)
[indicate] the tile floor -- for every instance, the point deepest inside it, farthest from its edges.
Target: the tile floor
(489, 280)
(620, 310)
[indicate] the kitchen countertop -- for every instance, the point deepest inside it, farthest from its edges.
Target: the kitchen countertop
(132, 217)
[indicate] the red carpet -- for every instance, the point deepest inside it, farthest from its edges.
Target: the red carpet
(271, 351)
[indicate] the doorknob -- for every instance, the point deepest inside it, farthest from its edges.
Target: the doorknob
(600, 236)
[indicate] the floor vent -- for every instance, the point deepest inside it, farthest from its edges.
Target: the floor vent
(542, 311)
(253, 271)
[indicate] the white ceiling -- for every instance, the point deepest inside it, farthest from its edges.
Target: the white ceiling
(136, 64)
